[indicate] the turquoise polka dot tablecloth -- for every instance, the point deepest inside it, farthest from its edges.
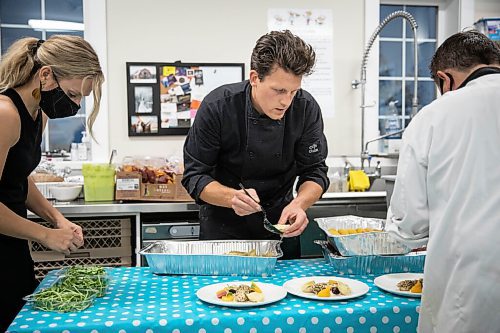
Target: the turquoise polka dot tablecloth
(139, 301)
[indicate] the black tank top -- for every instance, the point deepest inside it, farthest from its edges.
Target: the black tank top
(22, 158)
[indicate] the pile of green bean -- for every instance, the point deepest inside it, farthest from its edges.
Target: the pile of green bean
(96, 283)
(73, 291)
(85, 270)
(62, 299)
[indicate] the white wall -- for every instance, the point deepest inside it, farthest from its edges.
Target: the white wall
(221, 31)
(486, 8)
(226, 31)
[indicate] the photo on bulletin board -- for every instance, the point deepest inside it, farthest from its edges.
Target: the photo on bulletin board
(143, 99)
(144, 124)
(175, 95)
(142, 74)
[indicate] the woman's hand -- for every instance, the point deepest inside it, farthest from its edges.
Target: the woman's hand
(60, 240)
(75, 228)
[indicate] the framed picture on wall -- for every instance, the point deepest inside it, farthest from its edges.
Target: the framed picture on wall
(163, 98)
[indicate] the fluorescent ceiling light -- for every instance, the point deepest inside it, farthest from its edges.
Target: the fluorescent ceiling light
(50, 25)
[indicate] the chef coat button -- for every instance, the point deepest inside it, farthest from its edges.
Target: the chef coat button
(251, 154)
(255, 122)
(278, 155)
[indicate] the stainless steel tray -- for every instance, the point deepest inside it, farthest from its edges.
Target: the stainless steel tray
(363, 244)
(212, 257)
(412, 262)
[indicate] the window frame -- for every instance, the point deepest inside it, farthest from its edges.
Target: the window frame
(46, 133)
(404, 78)
(372, 13)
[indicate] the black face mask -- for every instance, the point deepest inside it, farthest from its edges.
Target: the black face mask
(56, 104)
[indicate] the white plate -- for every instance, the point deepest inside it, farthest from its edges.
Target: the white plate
(272, 293)
(389, 282)
(294, 286)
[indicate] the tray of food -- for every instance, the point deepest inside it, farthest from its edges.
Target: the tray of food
(376, 264)
(220, 257)
(360, 236)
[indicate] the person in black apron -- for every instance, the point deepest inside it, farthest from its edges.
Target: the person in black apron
(38, 79)
(264, 133)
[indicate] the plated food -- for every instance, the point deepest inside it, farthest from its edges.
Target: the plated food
(403, 284)
(413, 286)
(243, 294)
(326, 288)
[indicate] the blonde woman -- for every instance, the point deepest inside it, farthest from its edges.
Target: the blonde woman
(38, 80)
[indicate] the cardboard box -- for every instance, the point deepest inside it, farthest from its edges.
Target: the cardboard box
(129, 186)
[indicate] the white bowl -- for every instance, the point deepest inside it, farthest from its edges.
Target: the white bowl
(65, 192)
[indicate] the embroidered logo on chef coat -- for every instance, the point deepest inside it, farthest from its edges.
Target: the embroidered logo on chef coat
(313, 148)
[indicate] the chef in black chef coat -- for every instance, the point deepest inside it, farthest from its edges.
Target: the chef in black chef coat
(264, 133)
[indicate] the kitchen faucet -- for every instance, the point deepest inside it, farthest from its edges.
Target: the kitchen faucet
(407, 16)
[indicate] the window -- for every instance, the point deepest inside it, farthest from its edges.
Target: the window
(396, 75)
(14, 16)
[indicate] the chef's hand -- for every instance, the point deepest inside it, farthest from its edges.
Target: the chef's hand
(296, 217)
(77, 231)
(243, 205)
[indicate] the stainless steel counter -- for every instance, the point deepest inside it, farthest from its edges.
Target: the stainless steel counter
(121, 208)
(370, 204)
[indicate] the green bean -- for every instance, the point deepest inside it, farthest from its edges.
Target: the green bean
(73, 291)
(96, 283)
(85, 270)
(60, 299)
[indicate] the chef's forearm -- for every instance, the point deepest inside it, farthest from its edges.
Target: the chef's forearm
(217, 194)
(309, 192)
(39, 205)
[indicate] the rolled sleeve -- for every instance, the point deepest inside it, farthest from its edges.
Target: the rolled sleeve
(312, 150)
(201, 150)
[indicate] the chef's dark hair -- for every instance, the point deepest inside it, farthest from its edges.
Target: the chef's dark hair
(284, 49)
(464, 50)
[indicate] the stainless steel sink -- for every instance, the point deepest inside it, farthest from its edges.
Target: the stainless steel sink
(389, 186)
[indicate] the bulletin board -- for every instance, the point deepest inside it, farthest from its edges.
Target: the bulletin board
(163, 98)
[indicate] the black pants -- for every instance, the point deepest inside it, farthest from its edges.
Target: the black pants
(213, 227)
(17, 280)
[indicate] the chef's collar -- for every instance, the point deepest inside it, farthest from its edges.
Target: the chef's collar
(251, 110)
(478, 73)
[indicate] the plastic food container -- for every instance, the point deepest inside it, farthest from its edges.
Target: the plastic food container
(57, 298)
(222, 257)
(99, 181)
(361, 244)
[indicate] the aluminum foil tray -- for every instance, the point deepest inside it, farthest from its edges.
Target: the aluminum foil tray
(212, 257)
(412, 262)
(362, 244)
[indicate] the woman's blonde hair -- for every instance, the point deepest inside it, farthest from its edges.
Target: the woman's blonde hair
(70, 57)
